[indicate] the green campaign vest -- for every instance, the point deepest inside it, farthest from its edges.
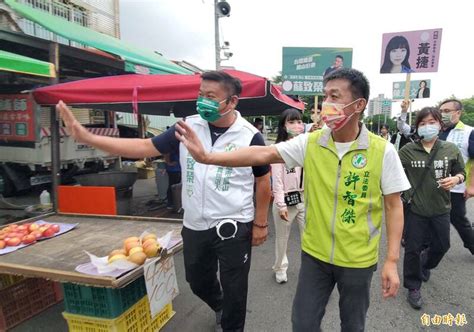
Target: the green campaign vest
(343, 199)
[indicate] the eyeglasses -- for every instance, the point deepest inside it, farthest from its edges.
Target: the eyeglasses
(447, 110)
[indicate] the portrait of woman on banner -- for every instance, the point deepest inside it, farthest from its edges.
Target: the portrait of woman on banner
(423, 90)
(396, 56)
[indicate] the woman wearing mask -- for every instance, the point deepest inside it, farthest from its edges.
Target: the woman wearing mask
(288, 203)
(433, 167)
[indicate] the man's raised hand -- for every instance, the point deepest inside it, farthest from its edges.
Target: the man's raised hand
(186, 135)
(75, 129)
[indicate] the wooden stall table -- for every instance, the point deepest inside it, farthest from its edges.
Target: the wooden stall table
(56, 258)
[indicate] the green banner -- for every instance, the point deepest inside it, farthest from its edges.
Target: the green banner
(418, 89)
(304, 68)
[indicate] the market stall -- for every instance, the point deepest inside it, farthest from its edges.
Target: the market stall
(99, 302)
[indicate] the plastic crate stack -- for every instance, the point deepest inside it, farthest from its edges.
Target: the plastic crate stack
(21, 299)
(98, 309)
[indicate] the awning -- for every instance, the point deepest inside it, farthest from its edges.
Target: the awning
(24, 65)
(130, 53)
(162, 94)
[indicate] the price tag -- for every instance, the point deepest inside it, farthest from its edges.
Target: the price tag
(161, 283)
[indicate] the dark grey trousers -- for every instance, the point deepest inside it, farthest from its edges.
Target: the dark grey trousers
(315, 284)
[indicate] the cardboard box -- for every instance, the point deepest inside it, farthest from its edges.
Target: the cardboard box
(146, 172)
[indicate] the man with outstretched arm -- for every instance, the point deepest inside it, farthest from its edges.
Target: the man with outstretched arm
(220, 222)
(351, 176)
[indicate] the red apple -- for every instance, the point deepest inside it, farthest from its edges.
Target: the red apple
(42, 229)
(27, 239)
(13, 242)
(22, 228)
(2, 244)
(36, 234)
(55, 227)
(49, 232)
(33, 227)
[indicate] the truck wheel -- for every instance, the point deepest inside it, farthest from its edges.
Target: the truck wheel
(8, 187)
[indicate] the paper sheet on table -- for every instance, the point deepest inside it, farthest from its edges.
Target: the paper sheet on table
(63, 228)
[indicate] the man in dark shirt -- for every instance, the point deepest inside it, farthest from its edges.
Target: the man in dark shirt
(220, 222)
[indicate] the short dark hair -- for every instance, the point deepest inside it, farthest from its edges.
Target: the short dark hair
(232, 85)
(360, 86)
(385, 126)
(452, 100)
(340, 57)
(424, 112)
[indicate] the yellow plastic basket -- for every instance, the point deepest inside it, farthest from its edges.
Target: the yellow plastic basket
(135, 319)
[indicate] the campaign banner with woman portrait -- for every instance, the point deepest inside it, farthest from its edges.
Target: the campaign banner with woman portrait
(410, 51)
(418, 89)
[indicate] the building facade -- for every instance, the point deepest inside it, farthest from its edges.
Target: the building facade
(380, 105)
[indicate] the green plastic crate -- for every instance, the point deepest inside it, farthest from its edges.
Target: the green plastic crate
(102, 302)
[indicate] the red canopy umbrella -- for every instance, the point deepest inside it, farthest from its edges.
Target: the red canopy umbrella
(162, 94)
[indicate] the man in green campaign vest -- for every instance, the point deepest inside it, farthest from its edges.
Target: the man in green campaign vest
(348, 172)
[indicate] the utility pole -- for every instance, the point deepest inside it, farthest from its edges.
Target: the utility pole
(216, 36)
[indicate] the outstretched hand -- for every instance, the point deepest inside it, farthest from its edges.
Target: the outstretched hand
(75, 129)
(186, 135)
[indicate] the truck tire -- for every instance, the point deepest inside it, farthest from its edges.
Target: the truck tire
(8, 187)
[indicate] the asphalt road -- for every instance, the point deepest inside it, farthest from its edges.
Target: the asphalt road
(449, 291)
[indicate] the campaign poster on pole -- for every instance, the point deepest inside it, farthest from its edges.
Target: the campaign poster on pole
(411, 51)
(305, 67)
(418, 89)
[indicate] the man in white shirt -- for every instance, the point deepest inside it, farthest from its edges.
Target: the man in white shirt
(347, 171)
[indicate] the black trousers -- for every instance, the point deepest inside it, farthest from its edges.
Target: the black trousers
(315, 284)
(418, 228)
(203, 253)
(460, 221)
(173, 178)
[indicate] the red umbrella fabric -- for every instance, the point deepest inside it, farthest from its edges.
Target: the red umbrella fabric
(162, 94)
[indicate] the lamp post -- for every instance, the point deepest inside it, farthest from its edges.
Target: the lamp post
(221, 9)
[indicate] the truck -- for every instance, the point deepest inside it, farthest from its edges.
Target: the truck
(25, 145)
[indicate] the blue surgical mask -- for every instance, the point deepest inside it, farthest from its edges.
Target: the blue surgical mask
(428, 132)
(208, 109)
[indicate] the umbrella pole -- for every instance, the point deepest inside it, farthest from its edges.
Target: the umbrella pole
(55, 158)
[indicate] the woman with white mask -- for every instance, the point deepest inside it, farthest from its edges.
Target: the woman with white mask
(287, 190)
(433, 168)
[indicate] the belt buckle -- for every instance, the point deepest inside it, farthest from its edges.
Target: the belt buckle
(225, 222)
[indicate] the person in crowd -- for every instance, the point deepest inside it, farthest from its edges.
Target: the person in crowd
(337, 64)
(433, 167)
(462, 135)
(423, 90)
(288, 205)
(384, 132)
(258, 123)
(220, 222)
(174, 177)
(351, 177)
(316, 118)
(397, 54)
